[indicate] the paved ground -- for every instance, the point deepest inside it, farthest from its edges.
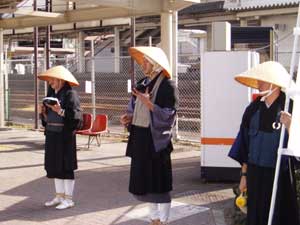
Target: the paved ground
(101, 186)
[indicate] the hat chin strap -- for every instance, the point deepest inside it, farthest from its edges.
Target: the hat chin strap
(156, 70)
(156, 67)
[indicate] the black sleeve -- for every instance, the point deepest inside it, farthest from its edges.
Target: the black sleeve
(167, 95)
(250, 110)
(73, 112)
(50, 93)
(240, 148)
(44, 123)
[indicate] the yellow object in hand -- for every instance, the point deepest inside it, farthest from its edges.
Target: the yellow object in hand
(241, 201)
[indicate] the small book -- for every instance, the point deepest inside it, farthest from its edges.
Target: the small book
(50, 101)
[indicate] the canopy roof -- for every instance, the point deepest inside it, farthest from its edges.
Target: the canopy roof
(257, 4)
(87, 10)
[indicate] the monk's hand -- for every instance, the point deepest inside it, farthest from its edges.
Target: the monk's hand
(286, 118)
(243, 184)
(125, 119)
(42, 111)
(144, 97)
(55, 108)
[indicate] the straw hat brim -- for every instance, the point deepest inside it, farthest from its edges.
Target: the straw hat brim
(155, 54)
(59, 72)
(270, 72)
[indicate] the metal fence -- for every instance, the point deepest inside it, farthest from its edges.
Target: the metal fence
(111, 94)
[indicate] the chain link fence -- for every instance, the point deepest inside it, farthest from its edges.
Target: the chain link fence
(111, 91)
(189, 97)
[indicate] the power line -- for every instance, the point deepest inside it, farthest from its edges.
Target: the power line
(275, 42)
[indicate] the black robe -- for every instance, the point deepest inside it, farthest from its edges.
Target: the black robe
(151, 171)
(260, 179)
(60, 148)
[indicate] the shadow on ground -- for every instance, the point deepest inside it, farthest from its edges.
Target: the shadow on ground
(98, 190)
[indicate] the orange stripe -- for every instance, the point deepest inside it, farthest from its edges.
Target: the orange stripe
(217, 141)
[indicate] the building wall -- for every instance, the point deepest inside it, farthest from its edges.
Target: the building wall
(284, 25)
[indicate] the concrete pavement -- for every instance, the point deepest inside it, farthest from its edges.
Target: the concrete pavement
(101, 194)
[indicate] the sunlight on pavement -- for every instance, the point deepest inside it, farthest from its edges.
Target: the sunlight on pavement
(10, 147)
(178, 211)
(8, 201)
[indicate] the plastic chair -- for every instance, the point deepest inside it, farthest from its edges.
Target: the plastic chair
(87, 123)
(99, 127)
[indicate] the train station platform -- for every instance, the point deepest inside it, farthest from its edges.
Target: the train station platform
(101, 189)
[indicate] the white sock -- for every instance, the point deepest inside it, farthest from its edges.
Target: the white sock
(69, 187)
(59, 186)
(153, 211)
(164, 209)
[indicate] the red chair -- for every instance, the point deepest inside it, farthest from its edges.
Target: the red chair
(99, 127)
(87, 123)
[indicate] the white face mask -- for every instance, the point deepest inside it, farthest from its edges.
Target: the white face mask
(262, 93)
(266, 93)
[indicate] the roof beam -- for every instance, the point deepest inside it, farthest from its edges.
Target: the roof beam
(207, 20)
(87, 14)
(38, 13)
(177, 5)
(138, 8)
(126, 4)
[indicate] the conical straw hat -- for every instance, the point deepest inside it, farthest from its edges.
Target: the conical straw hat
(271, 72)
(59, 72)
(154, 53)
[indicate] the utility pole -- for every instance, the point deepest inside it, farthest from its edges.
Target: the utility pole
(1, 80)
(36, 84)
(93, 77)
(132, 71)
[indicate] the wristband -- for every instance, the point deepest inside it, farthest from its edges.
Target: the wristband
(243, 174)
